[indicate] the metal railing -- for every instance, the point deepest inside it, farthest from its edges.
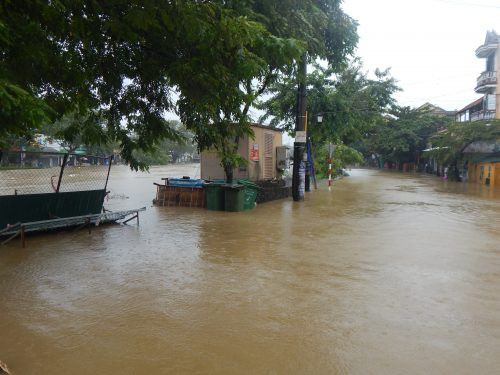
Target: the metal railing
(482, 115)
(51, 172)
(487, 78)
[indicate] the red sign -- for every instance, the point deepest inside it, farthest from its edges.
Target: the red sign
(254, 152)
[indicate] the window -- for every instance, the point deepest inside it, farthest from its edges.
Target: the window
(268, 155)
(490, 63)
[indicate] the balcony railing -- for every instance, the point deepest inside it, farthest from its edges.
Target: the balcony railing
(482, 115)
(486, 78)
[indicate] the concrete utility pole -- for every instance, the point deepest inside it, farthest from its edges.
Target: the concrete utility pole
(299, 166)
(308, 154)
(331, 149)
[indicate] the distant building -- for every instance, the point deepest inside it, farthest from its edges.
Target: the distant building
(484, 165)
(435, 110)
(431, 165)
(48, 143)
(488, 106)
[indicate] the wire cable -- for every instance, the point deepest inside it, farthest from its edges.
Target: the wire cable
(463, 3)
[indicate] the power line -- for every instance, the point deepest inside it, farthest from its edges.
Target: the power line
(439, 96)
(455, 2)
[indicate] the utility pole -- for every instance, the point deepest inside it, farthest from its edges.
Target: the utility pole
(331, 149)
(299, 165)
(308, 159)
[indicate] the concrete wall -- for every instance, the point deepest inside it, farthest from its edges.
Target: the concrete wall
(261, 169)
(211, 169)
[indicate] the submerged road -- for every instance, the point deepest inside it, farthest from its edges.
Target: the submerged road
(387, 274)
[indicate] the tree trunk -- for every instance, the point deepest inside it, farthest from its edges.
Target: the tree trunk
(456, 171)
(228, 171)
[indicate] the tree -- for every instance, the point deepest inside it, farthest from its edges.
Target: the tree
(403, 134)
(343, 156)
(318, 28)
(116, 64)
(350, 103)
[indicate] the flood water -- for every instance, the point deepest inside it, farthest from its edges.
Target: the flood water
(389, 273)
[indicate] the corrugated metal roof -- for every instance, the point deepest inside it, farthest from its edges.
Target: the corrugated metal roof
(473, 104)
(484, 158)
(490, 159)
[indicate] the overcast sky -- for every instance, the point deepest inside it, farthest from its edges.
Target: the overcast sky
(429, 45)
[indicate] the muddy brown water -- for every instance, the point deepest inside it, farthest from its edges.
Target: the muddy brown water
(388, 273)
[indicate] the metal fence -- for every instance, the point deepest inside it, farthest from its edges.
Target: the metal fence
(46, 172)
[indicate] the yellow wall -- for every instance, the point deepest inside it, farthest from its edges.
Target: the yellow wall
(264, 168)
(497, 175)
(489, 169)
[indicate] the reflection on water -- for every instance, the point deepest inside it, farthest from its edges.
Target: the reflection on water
(388, 273)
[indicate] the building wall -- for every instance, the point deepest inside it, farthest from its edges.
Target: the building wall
(497, 90)
(479, 172)
(264, 167)
(211, 169)
(497, 175)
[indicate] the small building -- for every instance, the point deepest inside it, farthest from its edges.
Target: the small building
(260, 153)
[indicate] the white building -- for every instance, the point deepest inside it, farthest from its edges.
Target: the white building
(488, 106)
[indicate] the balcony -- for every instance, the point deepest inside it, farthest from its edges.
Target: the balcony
(486, 81)
(486, 49)
(482, 115)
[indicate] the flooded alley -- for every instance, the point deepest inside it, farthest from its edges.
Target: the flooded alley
(388, 273)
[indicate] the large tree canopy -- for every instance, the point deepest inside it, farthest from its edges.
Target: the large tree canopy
(319, 28)
(119, 64)
(403, 134)
(349, 102)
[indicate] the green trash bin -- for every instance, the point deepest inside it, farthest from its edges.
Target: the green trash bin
(214, 196)
(251, 191)
(234, 197)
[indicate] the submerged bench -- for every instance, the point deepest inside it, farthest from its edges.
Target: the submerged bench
(20, 229)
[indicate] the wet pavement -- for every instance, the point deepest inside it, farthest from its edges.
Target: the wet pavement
(388, 273)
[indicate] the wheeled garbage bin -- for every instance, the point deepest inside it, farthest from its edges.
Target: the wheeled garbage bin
(251, 191)
(234, 197)
(214, 196)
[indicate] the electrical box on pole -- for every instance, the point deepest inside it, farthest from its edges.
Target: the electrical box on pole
(283, 156)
